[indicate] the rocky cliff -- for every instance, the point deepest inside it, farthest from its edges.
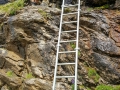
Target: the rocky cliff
(28, 48)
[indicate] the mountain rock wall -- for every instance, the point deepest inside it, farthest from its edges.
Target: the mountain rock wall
(28, 49)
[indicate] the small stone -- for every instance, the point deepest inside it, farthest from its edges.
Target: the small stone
(4, 87)
(37, 72)
(21, 63)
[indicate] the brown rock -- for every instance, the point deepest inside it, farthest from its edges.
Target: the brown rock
(12, 80)
(37, 84)
(117, 4)
(115, 35)
(11, 60)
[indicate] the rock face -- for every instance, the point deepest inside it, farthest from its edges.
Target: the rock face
(117, 4)
(25, 48)
(28, 48)
(103, 43)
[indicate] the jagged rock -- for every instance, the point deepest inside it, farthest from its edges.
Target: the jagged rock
(105, 45)
(117, 4)
(60, 86)
(45, 2)
(13, 81)
(1, 83)
(10, 60)
(96, 21)
(107, 65)
(37, 72)
(4, 87)
(37, 84)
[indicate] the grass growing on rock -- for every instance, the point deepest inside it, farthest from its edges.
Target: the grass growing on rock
(93, 75)
(12, 8)
(29, 76)
(9, 73)
(106, 6)
(73, 45)
(44, 14)
(107, 87)
(67, 10)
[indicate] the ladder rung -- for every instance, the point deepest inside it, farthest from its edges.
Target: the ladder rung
(66, 63)
(65, 76)
(69, 31)
(70, 13)
(68, 41)
(70, 5)
(69, 22)
(68, 52)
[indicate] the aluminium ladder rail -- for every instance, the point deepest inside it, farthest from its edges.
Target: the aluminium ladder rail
(59, 41)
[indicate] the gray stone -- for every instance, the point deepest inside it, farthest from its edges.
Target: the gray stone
(117, 4)
(105, 45)
(3, 1)
(107, 65)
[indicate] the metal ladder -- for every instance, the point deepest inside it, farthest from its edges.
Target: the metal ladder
(59, 41)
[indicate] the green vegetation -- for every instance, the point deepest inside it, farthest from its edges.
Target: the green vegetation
(82, 87)
(73, 45)
(12, 8)
(1, 26)
(44, 14)
(9, 73)
(93, 75)
(88, 88)
(29, 76)
(73, 87)
(107, 87)
(104, 87)
(106, 6)
(67, 10)
(116, 87)
(78, 53)
(89, 9)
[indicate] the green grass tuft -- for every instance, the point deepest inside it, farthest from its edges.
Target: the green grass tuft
(107, 87)
(106, 6)
(104, 87)
(93, 74)
(9, 73)
(73, 45)
(44, 14)
(29, 76)
(12, 8)
(67, 10)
